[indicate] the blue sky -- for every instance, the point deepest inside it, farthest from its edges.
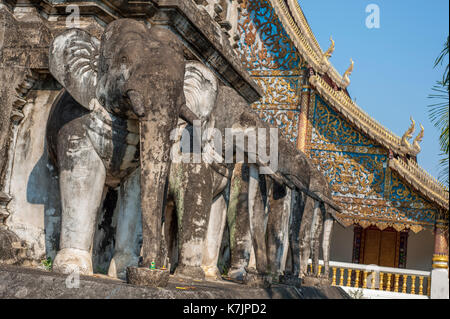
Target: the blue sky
(393, 73)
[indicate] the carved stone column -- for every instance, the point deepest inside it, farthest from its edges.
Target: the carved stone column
(439, 274)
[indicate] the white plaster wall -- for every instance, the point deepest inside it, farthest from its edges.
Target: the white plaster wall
(35, 212)
(341, 243)
(420, 250)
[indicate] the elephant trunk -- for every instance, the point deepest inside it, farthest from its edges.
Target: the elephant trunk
(155, 145)
(155, 92)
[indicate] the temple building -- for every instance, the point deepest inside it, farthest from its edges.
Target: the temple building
(395, 214)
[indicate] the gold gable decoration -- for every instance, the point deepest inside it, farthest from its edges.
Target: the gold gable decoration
(300, 32)
(421, 181)
(347, 221)
(340, 101)
(298, 29)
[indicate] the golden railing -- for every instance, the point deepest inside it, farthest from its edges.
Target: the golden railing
(397, 280)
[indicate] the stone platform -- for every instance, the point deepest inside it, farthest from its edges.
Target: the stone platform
(30, 283)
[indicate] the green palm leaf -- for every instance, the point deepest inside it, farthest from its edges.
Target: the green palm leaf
(438, 113)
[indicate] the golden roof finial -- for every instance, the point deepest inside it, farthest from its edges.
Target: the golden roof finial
(349, 70)
(330, 50)
(409, 133)
(418, 139)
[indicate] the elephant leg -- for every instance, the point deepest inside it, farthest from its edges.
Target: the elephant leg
(194, 217)
(294, 231)
(326, 243)
(214, 235)
(316, 231)
(171, 234)
(287, 209)
(160, 100)
(82, 177)
(252, 260)
(239, 223)
(305, 235)
(277, 228)
(154, 173)
(258, 220)
(129, 227)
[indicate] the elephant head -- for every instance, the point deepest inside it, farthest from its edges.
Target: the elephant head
(135, 72)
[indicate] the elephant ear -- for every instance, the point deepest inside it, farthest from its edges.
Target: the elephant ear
(73, 60)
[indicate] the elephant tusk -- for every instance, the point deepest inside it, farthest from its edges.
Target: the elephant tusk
(137, 102)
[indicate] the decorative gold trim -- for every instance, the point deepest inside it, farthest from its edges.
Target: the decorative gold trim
(415, 147)
(348, 220)
(363, 121)
(440, 258)
(301, 43)
(423, 182)
(348, 72)
(418, 140)
(294, 14)
(330, 50)
(440, 266)
(300, 33)
(298, 29)
(309, 123)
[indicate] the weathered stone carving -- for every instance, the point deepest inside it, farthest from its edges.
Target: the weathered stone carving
(110, 128)
(225, 13)
(317, 219)
(282, 229)
(292, 163)
(192, 188)
(196, 206)
(131, 96)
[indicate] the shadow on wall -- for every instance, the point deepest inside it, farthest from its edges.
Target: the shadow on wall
(43, 189)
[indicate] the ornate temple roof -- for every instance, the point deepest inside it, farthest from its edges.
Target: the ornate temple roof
(298, 29)
(422, 181)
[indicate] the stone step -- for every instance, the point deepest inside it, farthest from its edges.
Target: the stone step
(13, 251)
(21, 282)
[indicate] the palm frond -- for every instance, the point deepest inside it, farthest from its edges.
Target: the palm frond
(444, 168)
(440, 59)
(438, 113)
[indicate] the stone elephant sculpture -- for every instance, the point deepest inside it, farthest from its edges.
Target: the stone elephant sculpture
(293, 225)
(317, 220)
(262, 212)
(195, 191)
(123, 95)
(268, 215)
(194, 187)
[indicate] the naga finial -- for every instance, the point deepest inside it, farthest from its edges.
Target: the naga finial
(409, 133)
(330, 50)
(418, 139)
(349, 70)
